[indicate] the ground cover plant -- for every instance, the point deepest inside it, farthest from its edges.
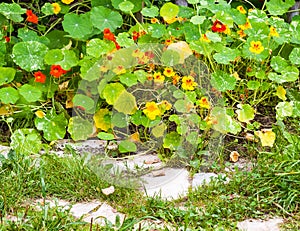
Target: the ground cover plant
(160, 77)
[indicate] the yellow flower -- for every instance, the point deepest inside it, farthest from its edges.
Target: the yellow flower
(56, 8)
(158, 77)
(256, 47)
(40, 114)
(151, 110)
(154, 20)
(168, 71)
(165, 105)
(168, 42)
(170, 20)
(67, 1)
(119, 70)
(273, 32)
(246, 26)
(227, 30)
(103, 68)
(241, 33)
(204, 38)
(188, 83)
(204, 103)
(241, 9)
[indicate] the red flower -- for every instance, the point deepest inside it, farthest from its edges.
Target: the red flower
(108, 35)
(39, 77)
(135, 35)
(31, 17)
(218, 27)
(56, 71)
(7, 39)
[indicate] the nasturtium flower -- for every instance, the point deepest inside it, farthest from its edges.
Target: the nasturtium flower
(175, 79)
(158, 77)
(56, 71)
(273, 32)
(204, 103)
(56, 8)
(31, 17)
(168, 42)
(154, 20)
(218, 27)
(40, 114)
(188, 83)
(7, 39)
(107, 34)
(103, 68)
(256, 47)
(67, 1)
(135, 35)
(39, 77)
(169, 72)
(152, 110)
(241, 9)
(165, 105)
(119, 70)
(246, 26)
(234, 156)
(170, 20)
(241, 33)
(204, 38)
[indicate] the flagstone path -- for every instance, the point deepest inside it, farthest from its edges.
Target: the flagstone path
(159, 180)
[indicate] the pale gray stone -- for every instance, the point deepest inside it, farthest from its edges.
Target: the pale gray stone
(172, 185)
(4, 150)
(104, 212)
(202, 178)
(260, 225)
(80, 209)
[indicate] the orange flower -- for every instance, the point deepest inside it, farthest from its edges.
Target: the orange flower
(246, 26)
(175, 79)
(31, 17)
(241, 33)
(154, 20)
(218, 27)
(152, 110)
(107, 34)
(39, 77)
(56, 71)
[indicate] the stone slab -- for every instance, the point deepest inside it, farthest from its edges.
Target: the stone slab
(81, 209)
(173, 184)
(202, 178)
(4, 150)
(260, 225)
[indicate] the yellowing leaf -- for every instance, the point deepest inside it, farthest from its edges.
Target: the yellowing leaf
(102, 119)
(267, 137)
(234, 156)
(135, 137)
(245, 113)
(281, 92)
(182, 48)
(40, 114)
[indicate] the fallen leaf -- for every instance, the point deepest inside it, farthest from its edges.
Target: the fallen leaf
(152, 160)
(281, 92)
(108, 191)
(251, 137)
(234, 156)
(182, 48)
(267, 137)
(158, 173)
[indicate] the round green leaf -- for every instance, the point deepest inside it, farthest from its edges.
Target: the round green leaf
(26, 141)
(126, 6)
(127, 146)
(295, 56)
(284, 109)
(105, 136)
(7, 74)
(222, 81)
(83, 101)
(197, 20)
(112, 92)
(128, 79)
(97, 47)
(159, 130)
(224, 123)
(12, 11)
(124, 41)
(119, 120)
(278, 63)
(253, 85)
(29, 55)
(30, 93)
(125, 103)
(245, 113)
(172, 140)
(279, 7)
(78, 26)
(79, 128)
(157, 30)
(170, 58)
(69, 59)
(150, 12)
(136, 3)
(226, 56)
(103, 17)
(8, 95)
(53, 56)
(169, 10)
(52, 125)
(47, 9)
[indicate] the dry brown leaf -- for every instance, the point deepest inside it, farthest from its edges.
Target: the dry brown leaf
(234, 156)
